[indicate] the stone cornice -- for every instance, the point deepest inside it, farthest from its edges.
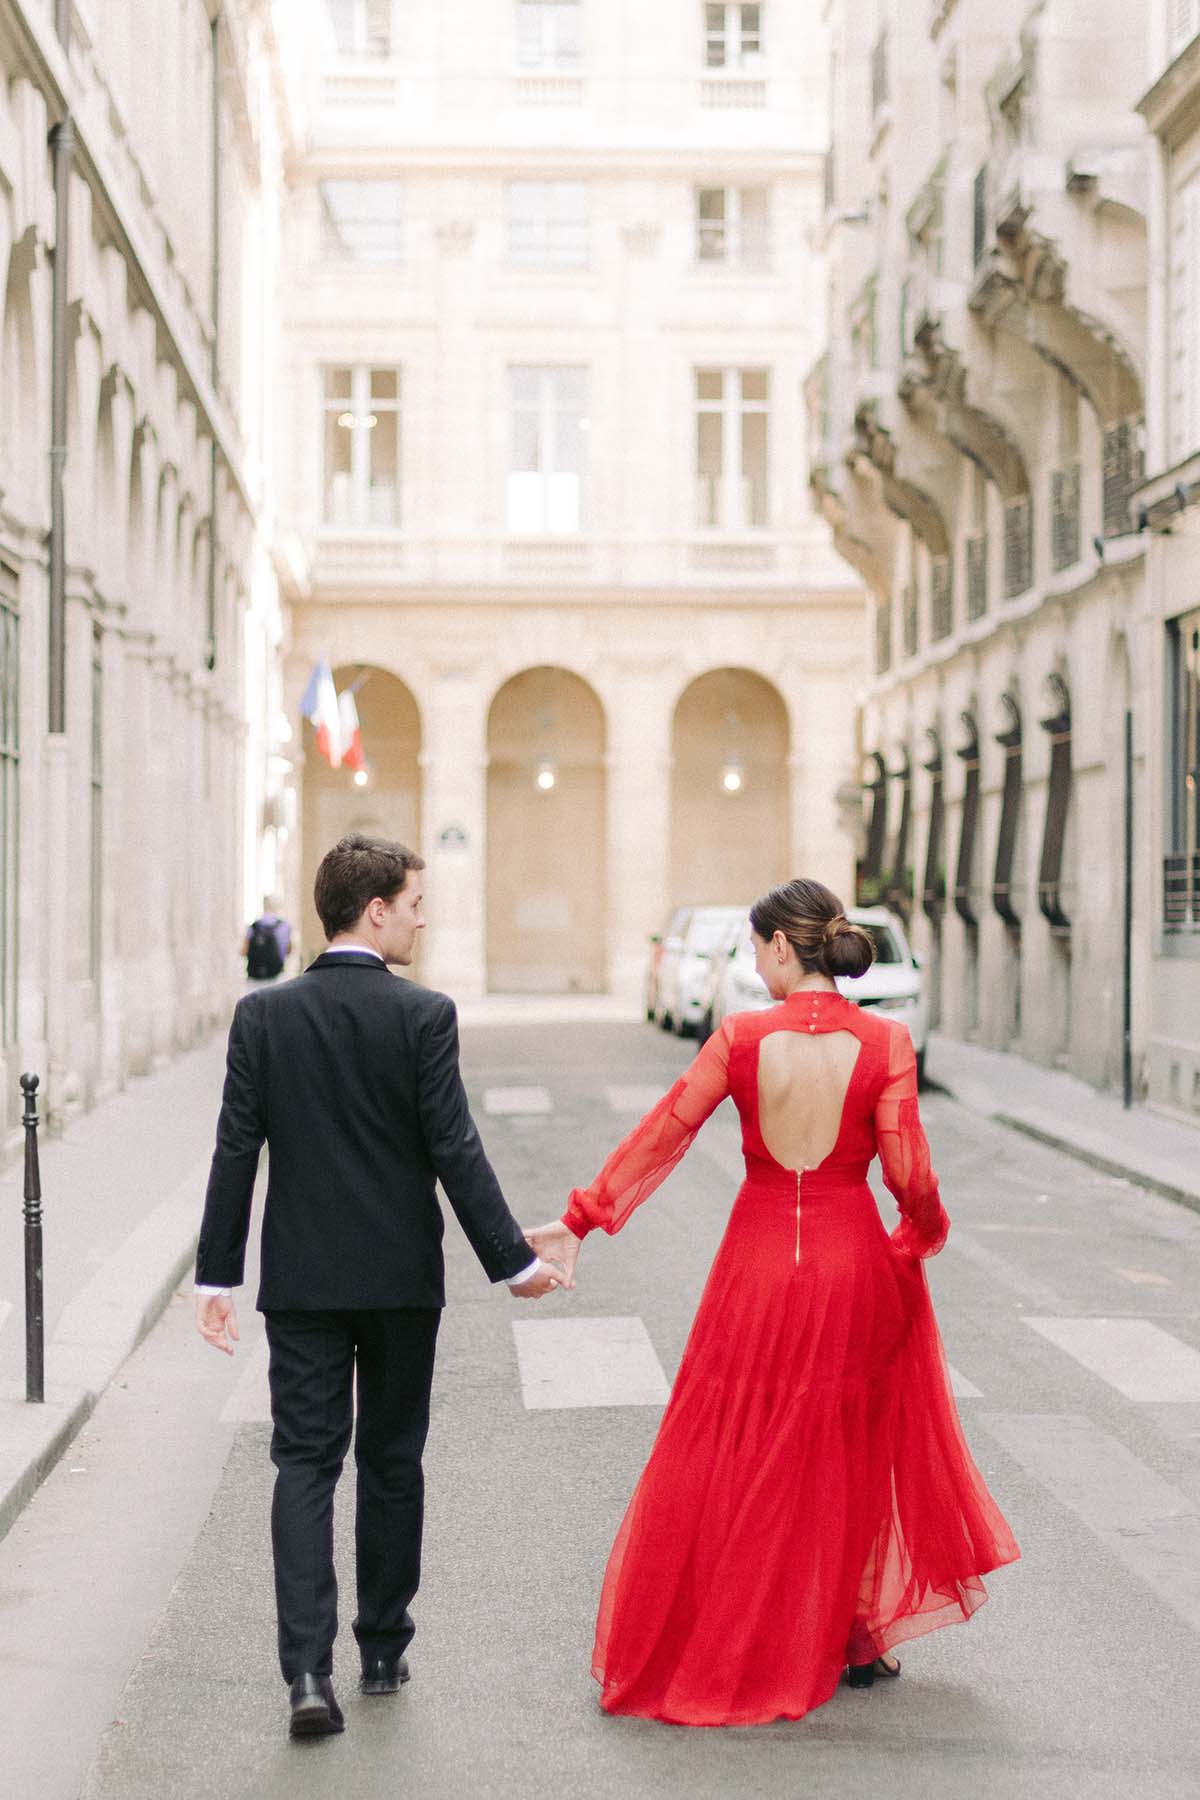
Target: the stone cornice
(1173, 103)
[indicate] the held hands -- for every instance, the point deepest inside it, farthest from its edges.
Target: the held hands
(554, 1243)
(216, 1321)
(550, 1276)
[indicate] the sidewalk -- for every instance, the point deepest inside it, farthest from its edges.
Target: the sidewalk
(1152, 1151)
(122, 1193)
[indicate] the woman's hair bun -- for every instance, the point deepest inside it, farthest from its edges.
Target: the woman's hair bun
(815, 924)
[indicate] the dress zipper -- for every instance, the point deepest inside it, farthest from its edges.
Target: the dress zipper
(799, 1179)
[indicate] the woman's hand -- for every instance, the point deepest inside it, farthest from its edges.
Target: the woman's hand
(556, 1243)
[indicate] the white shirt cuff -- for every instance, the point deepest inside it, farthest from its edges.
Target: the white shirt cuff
(227, 1292)
(525, 1275)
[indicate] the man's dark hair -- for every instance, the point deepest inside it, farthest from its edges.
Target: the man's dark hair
(356, 871)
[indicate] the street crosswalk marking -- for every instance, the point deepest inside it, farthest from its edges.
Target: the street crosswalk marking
(1150, 1526)
(249, 1400)
(635, 1099)
(1138, 1358)
(961, 1388)
(587, 1362)
(509, 1100)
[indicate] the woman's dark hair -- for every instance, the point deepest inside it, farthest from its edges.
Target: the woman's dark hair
(356, 871)
(813, 921)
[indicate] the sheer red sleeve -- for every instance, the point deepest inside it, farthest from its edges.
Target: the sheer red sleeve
(904, 1155)
(646, 1157)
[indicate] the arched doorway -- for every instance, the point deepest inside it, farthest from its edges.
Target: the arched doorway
(546, 860)
(730, 804)
(386, 804)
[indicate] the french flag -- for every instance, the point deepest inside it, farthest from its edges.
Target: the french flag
(320, 704)
(352, 750)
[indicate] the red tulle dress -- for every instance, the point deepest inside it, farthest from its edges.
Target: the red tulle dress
(810, 1500)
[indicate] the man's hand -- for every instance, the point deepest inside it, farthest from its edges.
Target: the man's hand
(555, 1243)
(216, 1321)
(544, 1281)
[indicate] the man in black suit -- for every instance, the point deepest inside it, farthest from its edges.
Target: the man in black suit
(351, 1077)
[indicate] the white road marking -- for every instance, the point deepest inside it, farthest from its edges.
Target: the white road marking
(517, 1100)
(587, 1362)
(1150, 1526)
(1141, 1360)
(962, 1389)
(637, 1100)
(1144, 1277)
(249, 1401)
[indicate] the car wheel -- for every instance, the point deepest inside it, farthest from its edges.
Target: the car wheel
(666, 1022)
(706, 1027)
(920, 1069)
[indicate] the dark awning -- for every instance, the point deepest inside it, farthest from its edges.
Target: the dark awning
(877, 826)
(969, 753)
(933, 884)
(1010, 814)
(1058, 799)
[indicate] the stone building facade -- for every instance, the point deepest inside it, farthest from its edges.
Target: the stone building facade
(551, 293)
(1168, 638)
(139, 757)
(978, 424)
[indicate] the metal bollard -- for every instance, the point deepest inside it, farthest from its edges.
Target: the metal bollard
(35, 1348)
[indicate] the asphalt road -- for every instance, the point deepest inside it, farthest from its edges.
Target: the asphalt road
(137, 1630)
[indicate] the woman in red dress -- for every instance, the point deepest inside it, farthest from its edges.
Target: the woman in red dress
(809, 1501)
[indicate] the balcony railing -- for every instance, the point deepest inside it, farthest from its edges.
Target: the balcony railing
(941, 591)
(977, 572)
(1064, 516)
(1181, 893)
(880, 89)
(883, 636)
(909, 620)
(745, 91)
(1018, 546)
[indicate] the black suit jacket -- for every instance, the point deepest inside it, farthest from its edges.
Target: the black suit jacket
(351, 1076)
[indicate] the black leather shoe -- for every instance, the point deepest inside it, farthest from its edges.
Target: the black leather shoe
(315, 1712)
(383, 1674)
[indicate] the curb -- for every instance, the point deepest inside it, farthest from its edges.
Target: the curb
(98, 1331)
(1097, 1159)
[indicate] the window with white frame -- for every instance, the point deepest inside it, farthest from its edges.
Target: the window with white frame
(361, 475)
(361, 221)
(549, 424)
(549, 34)
(731, 449)
(1185, 320)
(548, 224)
(362, 27)
(732, 227)
(733, 37)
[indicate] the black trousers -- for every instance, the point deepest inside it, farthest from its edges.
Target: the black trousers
(314, 1357)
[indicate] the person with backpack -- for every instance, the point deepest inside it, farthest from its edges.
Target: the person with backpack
(266, 944)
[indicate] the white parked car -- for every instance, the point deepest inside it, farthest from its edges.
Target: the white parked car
(894, 984)
(683, 975)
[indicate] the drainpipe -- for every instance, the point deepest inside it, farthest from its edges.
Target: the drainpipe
(214, 302)
(62, 148)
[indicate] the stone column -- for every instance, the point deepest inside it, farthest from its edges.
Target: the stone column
(638, 714)
(454, 833)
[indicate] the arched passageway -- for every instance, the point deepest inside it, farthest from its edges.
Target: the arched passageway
(386, 804)
(730, 801)
(546, 862)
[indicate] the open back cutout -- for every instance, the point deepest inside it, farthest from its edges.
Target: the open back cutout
(803, 1079)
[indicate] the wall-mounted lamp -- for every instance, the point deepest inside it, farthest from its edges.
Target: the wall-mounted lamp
(733, 778)
(361, 778)
(546, 778)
